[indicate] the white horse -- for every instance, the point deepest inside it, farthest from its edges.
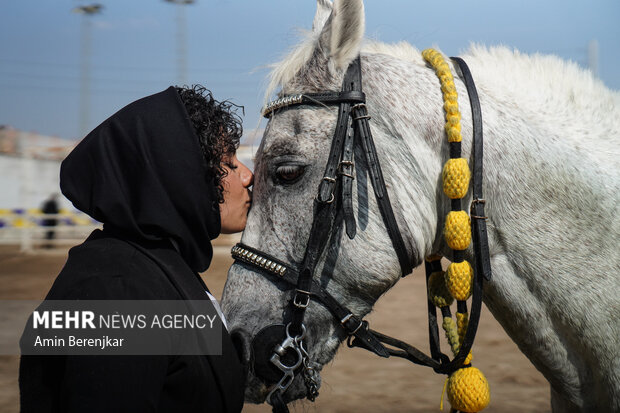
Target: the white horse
(551, 180)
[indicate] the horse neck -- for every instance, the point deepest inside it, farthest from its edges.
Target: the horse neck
(551, 183)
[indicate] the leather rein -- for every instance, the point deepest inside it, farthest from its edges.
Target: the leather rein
(333, 204)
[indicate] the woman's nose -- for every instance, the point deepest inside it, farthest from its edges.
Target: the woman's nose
(247, 177)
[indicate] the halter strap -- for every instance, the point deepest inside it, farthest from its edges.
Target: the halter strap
(483, 261)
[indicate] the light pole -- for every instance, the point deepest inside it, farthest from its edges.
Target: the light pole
(85, 52)
(181, 40)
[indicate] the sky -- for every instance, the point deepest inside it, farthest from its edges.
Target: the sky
(134, 48)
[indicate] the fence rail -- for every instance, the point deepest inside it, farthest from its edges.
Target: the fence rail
(31, 228)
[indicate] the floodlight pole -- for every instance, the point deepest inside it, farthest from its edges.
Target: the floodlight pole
(181, 37)
(85, 67)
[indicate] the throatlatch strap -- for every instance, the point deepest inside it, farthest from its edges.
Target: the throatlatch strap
(364, 135)
(483, 262)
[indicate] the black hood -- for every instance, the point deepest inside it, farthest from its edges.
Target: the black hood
(142, 172)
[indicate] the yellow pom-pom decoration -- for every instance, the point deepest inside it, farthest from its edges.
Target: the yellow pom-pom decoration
(437, 291)
(459, 280)
(456, 176)
(457, 230)
(468, 390)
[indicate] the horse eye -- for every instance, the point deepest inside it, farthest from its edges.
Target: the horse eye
(289, 173)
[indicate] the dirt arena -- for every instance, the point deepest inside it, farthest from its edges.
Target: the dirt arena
(356, 381)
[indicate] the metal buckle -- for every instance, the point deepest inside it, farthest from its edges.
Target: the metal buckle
(349, 164)
(331, 181)
(472, 208)
(347, 318)
(298, 303)
(359, 106)
(316, 198)
(345, 163)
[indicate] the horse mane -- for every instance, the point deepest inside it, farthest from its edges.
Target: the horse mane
(540, 85)
(525, 78)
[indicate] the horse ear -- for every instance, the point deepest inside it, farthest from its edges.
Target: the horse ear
(323, 10)
(342, 34)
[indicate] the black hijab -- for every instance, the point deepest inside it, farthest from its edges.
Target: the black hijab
(142, 172)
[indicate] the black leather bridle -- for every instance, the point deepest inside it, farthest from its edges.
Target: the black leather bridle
(283, 345)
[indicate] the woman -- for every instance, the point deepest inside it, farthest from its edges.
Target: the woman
(162, 176)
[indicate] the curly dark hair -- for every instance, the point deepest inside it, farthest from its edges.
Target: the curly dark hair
(218, 127)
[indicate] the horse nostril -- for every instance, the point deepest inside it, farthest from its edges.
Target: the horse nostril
(241, 341)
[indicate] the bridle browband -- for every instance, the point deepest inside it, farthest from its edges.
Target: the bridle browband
(332, 205)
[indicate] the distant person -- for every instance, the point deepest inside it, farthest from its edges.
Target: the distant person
(163, 177)
(50, 206)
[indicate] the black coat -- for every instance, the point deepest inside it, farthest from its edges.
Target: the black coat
(106, 267)
(143, 174)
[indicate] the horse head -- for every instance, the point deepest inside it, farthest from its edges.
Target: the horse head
(289, 167)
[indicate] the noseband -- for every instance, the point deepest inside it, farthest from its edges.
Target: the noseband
(333, 205)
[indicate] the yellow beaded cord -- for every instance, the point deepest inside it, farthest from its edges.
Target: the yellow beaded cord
(468, 389)
(451, 106)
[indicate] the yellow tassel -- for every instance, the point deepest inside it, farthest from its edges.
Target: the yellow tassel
(445, 384)
(468, 390)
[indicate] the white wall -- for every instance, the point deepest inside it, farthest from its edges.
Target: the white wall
(26, 183)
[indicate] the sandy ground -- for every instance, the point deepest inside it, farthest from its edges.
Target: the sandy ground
(356, 381)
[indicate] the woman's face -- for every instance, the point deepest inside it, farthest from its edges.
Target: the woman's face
(237, 195)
